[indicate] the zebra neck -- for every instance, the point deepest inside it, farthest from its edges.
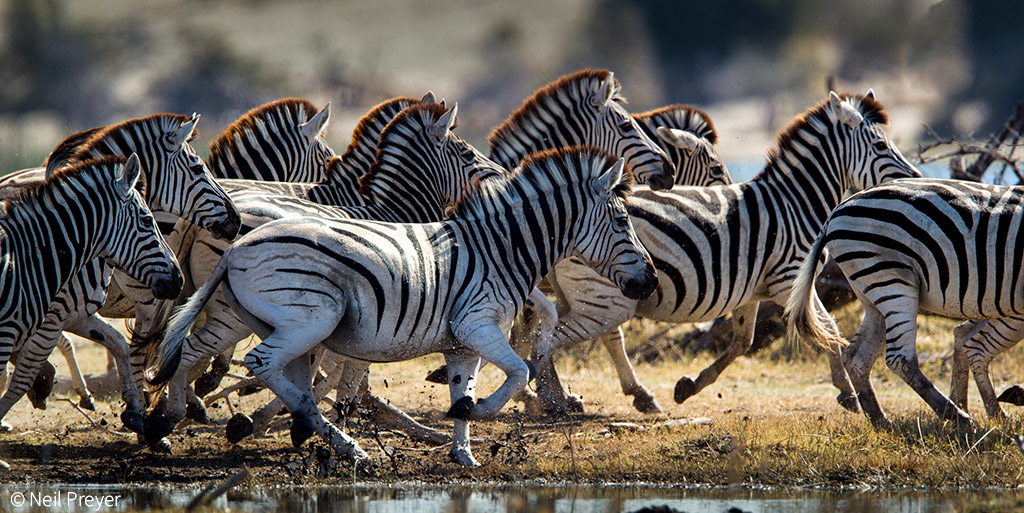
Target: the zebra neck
(533, 133)
(803, 176)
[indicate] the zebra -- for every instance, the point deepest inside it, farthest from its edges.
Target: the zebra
(688, 137)
(378, 292)
(421, 136)
(177, 184)
(244, 151)
(85, 211)
(975, 345)
(723, 249)
(931, 245)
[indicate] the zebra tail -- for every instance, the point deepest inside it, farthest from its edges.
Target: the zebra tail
(806, 322)
(167, 352)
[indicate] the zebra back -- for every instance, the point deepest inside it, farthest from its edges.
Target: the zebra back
(584, 108)
(688, 136)
(280, 141)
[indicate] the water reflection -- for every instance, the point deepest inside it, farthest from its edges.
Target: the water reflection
(418, 498)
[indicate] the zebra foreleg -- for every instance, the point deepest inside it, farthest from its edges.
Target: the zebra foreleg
(96, 328)
(489, 342)
(462, 369)
(643, 399)
(743, 336)
(67, 350)
(960, 375)
(996, 336)
(30, 358)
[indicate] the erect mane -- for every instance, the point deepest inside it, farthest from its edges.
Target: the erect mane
(562, 166)
(415, 117)
(590, 78)
(367, 133)
(684, 117)
(297, 109)
(871, 109)
(63, 174)
(98, 142)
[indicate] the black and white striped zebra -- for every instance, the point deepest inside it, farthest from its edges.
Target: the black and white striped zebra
(688, 137)
(377, 292)
(941, 246)
(975, 345)
(245, 151)
(84, 211)
(177, 184)
(723, 249)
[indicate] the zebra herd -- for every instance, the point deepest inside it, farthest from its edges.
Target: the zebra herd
(414, 242)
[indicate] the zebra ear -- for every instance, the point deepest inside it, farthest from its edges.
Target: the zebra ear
(127, 175)
(184, 132)
(317, 124)
(440, 129)
(844, 111)
(681, 139)
(605, 92)
(612, 177)
(870, 94)
(428, 98)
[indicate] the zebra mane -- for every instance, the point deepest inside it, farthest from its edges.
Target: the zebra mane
(104, 141)
(366, 136)
(683, 117)
(412, 119)
(540, 173)
(28, 193)
(256, 123)
(584, 81)
(870, 108)
(65, 151)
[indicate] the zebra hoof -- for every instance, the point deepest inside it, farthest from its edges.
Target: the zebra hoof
(86, 403)
(161, 446)
(196, 412)
(301, 431)
(461, 409)
(207, 383)
(5, 427)
(42, 386)
(133, 421)
(685, 389)
(438, 375)
(156, 426)
(849, 402)
(254, 388)
(646, 403)
(531, 371)
(574, 403)
(1013, 395)
(239, 427)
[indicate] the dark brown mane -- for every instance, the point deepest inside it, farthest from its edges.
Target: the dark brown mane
(706, 131)
(366, 122)
(871, 109)
(530, 105)
(225, 142)
(61, 174)
(436, 110)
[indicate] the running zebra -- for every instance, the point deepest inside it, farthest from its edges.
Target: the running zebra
(177, 184)
(724, 249)
(245, 151)
(941, 246)
(87, 210)
(378, 292)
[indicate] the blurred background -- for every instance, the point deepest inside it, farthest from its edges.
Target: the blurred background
(751, 64)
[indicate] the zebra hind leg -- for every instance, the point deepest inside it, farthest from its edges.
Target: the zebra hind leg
(67, 349)
(859, 357)
(643, 399)
(743, 336)
(960, 375)
(996, 336)
(99, 330)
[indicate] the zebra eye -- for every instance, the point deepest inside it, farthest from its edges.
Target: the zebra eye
(622, 221)
(196, 169)
(626, 125)
(880, 146)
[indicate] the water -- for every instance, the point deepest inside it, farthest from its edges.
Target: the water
(490, 499)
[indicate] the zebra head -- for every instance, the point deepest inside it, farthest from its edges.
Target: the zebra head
(869, 157)
(186, 188)
(136, 245)
(688, 136)
(607, 241)
(617, 132)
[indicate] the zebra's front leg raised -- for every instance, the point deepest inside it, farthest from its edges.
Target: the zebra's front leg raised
(488, 341)
(743, 336)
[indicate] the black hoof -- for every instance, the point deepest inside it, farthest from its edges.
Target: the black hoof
(133, 421)
(207, 383)
(849, 402)
(197, 413)
(646, 403)
(239, 427)
(461, 409)
(254, 388)
(42, 386)
(86, 403)
(685, 388)
(156, 426)
(161, 446)
(1013, 395)
(439, 375)
(301, 431)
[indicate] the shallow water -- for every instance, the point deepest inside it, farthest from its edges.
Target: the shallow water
(486, 499)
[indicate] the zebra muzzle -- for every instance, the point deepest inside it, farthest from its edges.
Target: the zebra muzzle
(168, 286)
(640, 288)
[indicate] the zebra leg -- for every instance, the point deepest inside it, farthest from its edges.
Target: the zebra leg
(489, 342)
(96, 328)
(30, 357)
(996, 336)
(847, 397)
(67, 349)
(534, 323)
(900, 314)
(962, 334)
(643, 399)
(462, 369)
(268, 361)
(743, 336)
(859, 357)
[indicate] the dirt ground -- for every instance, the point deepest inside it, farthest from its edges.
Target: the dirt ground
(771, 419)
